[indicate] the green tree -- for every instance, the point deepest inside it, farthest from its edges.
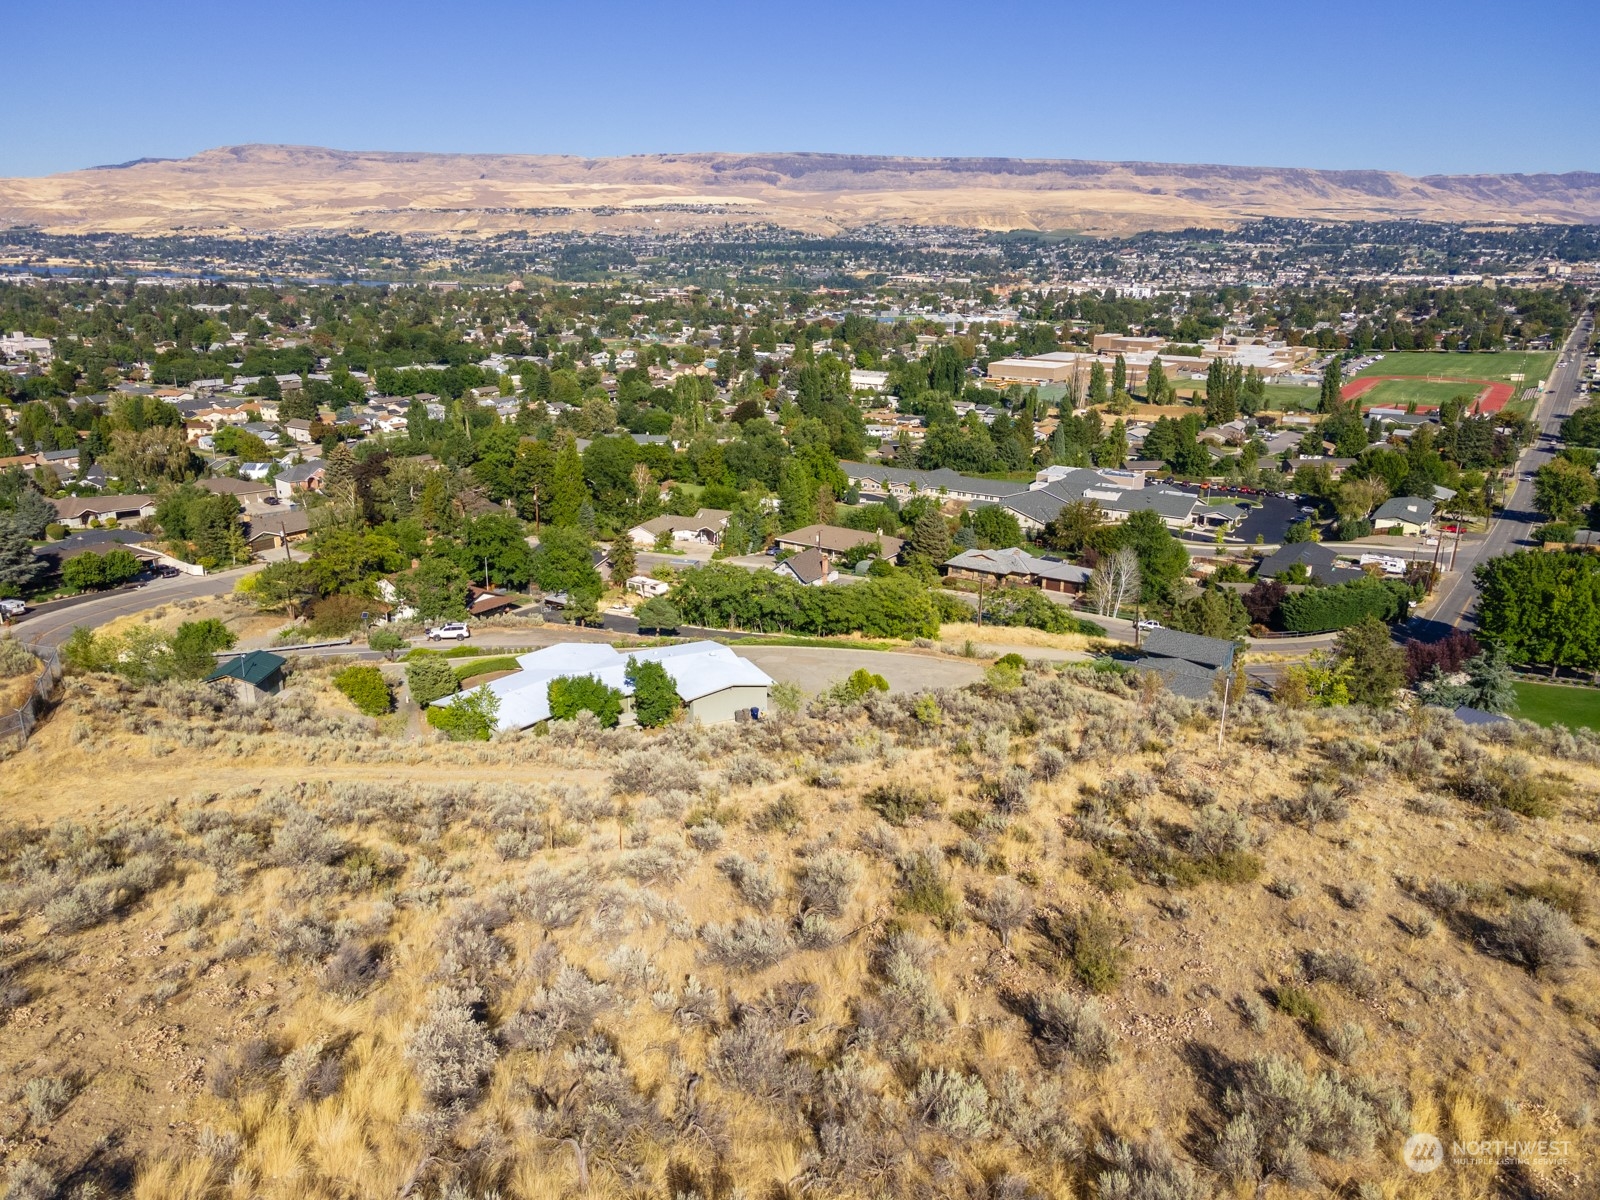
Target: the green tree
(564, 562)
(655, 699)
(930, 536)
(571, 694)
(660, 614)
(1119, 375)
(568, 493)
(1377, 665)
(365, 688)
(1162, 559)
(996, 527)
(194, 645)
(1562, 489)
(470, 716)
(1329, 400)
(21, 570)
(436, 587)
(1097, 385)
(1215, 612)
(1156, 386)
(430, 678)
(1072, 528)
(1542, 607)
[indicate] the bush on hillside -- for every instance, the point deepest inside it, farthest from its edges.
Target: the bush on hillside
(365, 688)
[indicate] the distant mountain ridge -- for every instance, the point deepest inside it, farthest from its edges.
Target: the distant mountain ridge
(239, 189)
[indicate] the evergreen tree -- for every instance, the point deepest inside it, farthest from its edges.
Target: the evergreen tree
(21, 570)
(1097, 384)
(930, 536)
(1332, 383)
(1119, 375)
(568, 494)
(1156, 385)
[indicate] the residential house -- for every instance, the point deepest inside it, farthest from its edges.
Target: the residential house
(1409, 514)
(276, 529)
(76, 512)
(1017, 567)
(486, 602)
(1320, 561)
(704, 528)
(305, 477)
(810, 568)
(836, 540)
(96, 541)
(714, 683)
(245, 491)
(251, 677)
(1187, 663)
(299, 429)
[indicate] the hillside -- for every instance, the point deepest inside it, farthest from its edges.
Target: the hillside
(1041, 937)
(282, 188)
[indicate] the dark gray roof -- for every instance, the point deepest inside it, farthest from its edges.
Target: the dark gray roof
(1314, 555)
(1191, 647)
(1405, 508)
(1181, 677)
(97, 540)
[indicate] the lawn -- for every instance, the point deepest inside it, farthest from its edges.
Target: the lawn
(1286, 397)
(1532, 365)
(1552, 704)
(1398, 393)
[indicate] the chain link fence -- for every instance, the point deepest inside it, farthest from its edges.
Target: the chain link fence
(17, 724)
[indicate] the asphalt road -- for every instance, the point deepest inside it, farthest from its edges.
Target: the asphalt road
(1509, 529)
(51, 624)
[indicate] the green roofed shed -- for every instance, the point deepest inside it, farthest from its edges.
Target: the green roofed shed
(253, 675)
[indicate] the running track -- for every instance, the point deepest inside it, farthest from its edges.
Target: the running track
(1491, 399)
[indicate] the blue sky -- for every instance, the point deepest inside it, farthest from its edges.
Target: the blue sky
(1412, 85)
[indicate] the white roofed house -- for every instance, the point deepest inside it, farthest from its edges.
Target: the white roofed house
(714, 683)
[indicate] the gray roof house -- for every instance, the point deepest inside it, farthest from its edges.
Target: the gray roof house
(1187, 663)
(1410, 514)
(1017, 566)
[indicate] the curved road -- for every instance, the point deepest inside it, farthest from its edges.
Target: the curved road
(51, 624)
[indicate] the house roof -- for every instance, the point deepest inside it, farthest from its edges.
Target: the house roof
(696, 668)
(75, 507)
(97, 540)
(707, 519)
(282, 523)
(224, 486)
(1314, 555)
(808, 566)
(837, 540)
(1183, 678)
(1412, 509)
(1016, 561)
(301, 472)
(255, 668)
(1191, 647)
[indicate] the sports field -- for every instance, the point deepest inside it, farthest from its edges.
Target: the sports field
(1552, 704)
(1285, 397)
(1500, 367)
(1424, 393)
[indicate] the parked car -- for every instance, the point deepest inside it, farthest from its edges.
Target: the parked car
(12, 608)
(1148, 624)
(168, 572)
(450, 631)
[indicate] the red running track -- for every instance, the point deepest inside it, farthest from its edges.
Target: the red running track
(1492, 397)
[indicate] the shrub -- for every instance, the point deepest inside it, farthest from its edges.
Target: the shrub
(1319, 804)
(787, 698)
(365, 688)
(572, 694)
(782, 813)
(828, 883)
(898, 803)
(1069, 1028)
(450, 1052)
(1278, 1115)
(755, 881)
(568, 1006)
(1323, 609)
(1095, 942)
(1298, 1004)
(924, 888)
(1148, 1172)
(1540, 938)
(336, 616)
(470, 716)
(29, 1181)
(386, 641)
(952, 1102)
(706, 834)
(1005, 909)
(1009, 793)
(748, 944)
(16, 659)
(46, 1098)
(857, 686)
(430, 678)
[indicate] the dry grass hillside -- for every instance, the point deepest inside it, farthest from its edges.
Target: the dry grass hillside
(1041, 937)
(260, 188)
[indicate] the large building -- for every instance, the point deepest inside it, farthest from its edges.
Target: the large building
(714, 683)
(1271, 359)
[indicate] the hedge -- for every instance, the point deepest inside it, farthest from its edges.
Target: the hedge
(366, 689)
(1324, 609)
